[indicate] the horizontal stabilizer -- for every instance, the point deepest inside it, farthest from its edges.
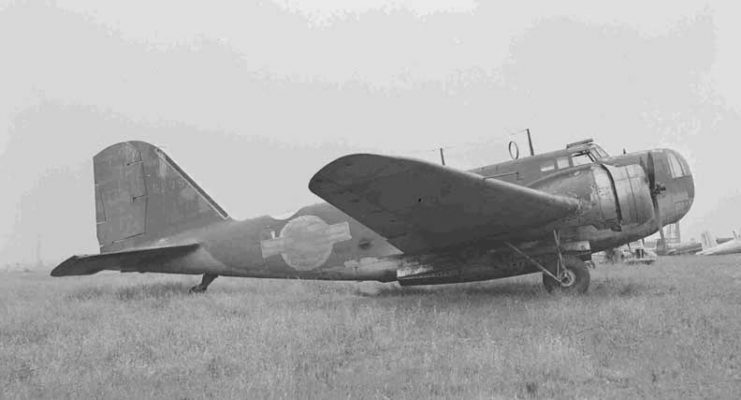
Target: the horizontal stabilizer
(124, 261)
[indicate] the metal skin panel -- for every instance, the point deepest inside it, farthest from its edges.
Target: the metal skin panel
(594, 187)
(317, 242)
(306, 242)
(397, 219)
(492, 265)
(146, 197)
(605, 193)
(633, 196)
(421, 206)
(100, 217)
(120, 207)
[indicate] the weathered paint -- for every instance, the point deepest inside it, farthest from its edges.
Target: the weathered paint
(421, 207)
(144, 195)
(306, 242)
(418, 223)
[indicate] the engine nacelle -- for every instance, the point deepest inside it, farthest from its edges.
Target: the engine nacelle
(611, 197)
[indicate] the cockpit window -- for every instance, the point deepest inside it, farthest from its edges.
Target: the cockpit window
(598, 152)
(581, 158)
(547, 166)
(675, 166)
(562, 162)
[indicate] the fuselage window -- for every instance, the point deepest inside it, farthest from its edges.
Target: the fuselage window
(581, 159)
(562, 162)
(674, 166)
(547, 166)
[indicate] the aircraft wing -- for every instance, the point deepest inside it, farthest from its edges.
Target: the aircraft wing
(420, 206)
(732, 246)
(124, 261)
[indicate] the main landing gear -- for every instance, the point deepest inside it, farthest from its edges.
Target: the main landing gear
(201, 287)
(571, 273)
(574, 277)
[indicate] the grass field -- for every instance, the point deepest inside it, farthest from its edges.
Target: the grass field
(671, 330)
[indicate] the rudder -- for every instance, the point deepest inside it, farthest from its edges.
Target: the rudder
(141, 195)
(708, 240)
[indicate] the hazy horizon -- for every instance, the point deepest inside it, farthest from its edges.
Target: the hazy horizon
(252, 98)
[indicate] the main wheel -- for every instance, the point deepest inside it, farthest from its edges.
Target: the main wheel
(576, 277)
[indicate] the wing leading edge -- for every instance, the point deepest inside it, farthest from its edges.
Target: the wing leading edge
(420, 206)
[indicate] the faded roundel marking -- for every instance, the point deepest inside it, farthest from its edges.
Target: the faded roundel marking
(306, 242)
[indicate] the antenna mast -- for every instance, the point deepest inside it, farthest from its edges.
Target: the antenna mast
(530, 141)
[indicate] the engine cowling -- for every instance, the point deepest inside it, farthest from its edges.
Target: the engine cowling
(632, 193)
(612, 197)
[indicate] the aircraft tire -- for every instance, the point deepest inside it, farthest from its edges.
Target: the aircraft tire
(579, 273)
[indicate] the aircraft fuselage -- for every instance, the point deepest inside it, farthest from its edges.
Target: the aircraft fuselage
(322, 242)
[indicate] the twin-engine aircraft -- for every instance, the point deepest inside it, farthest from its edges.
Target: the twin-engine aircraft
(390, 218)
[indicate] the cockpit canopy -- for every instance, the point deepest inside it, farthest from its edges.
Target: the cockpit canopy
(577, 153)
(587, 149)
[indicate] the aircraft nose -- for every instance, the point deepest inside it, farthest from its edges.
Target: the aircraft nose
(684, 184)
(690, 182)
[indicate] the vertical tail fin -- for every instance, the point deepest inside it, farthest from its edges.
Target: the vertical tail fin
(141, 195)
(708, 240)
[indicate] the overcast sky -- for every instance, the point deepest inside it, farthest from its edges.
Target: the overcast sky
(251, 98)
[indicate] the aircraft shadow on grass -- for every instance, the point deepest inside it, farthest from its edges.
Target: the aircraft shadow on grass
(158, 290)
(518, 290)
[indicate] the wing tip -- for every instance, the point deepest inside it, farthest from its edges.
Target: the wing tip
(332, 170)
(73, 266)
(87, 264)
(321, 176)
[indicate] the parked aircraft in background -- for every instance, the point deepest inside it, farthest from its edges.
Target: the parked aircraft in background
(712, 247)
(671, 243)
(389, 218)
(678, 249)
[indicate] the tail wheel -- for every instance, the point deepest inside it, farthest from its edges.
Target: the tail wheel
(574, 277)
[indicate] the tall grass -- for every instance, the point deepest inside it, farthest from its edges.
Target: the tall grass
(670, 330)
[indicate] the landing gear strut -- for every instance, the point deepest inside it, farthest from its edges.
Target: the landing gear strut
(574, 277)
(571, 273)
(201, 288)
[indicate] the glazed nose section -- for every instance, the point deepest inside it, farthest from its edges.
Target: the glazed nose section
(690, 182)
(685, 184)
